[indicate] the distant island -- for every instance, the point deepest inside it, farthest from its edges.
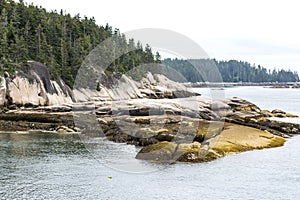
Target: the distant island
(230, 71)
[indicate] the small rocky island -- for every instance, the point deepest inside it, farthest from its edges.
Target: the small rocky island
(169, 122)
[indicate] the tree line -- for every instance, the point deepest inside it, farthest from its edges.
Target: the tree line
(59, 40)
(62, 42)
(196, 70)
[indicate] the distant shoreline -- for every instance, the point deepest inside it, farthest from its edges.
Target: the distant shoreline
(234, 84)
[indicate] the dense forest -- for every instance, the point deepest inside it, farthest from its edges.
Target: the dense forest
(230, 71)
(59, 40)
(62, 42)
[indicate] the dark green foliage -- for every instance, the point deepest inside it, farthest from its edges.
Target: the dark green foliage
(230, 71)
(62, 43)
(58, 40)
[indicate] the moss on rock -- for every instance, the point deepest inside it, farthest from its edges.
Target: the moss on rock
(233, 139)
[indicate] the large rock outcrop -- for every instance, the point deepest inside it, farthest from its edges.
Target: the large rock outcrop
(192, 129)
(151, 86)
(154, 113)
(33, 86)
(234, 138)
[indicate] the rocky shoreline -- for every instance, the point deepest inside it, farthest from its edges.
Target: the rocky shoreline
(170, 123)
(191, 129)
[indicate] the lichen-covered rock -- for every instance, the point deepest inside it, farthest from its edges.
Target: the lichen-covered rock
(233, 139)
(162, 152)
(281, 114)
(170, 152)
(236, 138)
(238, 104)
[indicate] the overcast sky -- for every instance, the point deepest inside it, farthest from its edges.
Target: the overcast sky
(260, 32)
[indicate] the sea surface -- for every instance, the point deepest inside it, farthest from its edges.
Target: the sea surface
(53, 166)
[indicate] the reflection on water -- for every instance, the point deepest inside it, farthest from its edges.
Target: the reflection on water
(26, 158)
(26, 145)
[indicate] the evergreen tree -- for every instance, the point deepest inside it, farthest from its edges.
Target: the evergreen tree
(60, 41)
(230, 71)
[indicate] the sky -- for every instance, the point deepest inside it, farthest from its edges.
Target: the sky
(257, 31)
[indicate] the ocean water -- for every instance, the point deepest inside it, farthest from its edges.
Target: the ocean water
(52, 166)
(287, 99)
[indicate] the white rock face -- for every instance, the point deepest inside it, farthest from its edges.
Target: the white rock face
(34, 87)
(149, 79)
(23, 90)
(168, 84)
(84, 95)
(59, 97)
(2, 91)
(126, 88)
